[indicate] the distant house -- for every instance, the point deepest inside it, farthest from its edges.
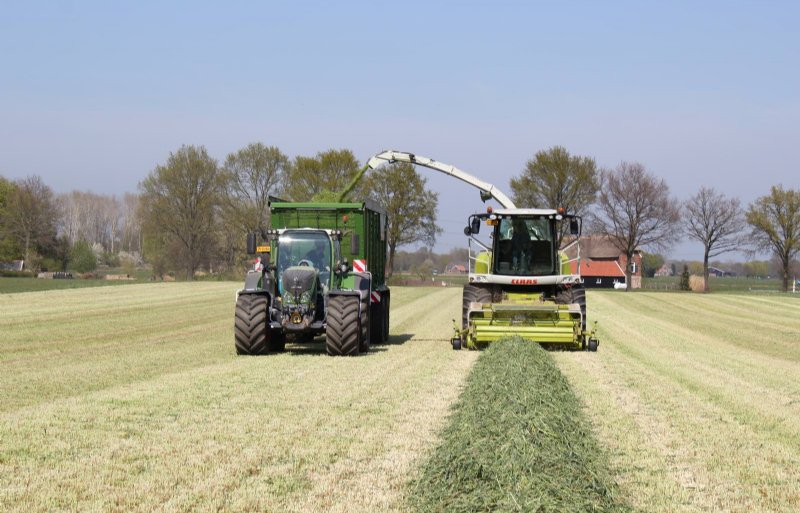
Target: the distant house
(603, 265)
(455, 269)
(719, 273)
(664, 270)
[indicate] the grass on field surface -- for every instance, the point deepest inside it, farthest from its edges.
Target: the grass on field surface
(717, 284)
(517, 441)
(16, 285)
(131, 399)
(696, 398)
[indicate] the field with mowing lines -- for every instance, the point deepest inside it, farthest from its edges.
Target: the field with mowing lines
(131, 399)
(696, 398)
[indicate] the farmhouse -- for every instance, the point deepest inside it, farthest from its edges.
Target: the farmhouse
(603, 265)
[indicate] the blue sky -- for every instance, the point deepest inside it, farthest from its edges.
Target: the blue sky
(94, 94)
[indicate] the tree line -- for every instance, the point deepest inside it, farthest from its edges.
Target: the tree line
(192, 211)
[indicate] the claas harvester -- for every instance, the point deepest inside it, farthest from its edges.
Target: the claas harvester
(319, 271)
(521, 283)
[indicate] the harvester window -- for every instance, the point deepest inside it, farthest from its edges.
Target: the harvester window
(524, 246)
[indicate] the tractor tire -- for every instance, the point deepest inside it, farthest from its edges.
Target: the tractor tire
(366, 335)
(343, 331)
(575, 294)
(376, 314)
(277, 341)
(473, 294)
(250, 325)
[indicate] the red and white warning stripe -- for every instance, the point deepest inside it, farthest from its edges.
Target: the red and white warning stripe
(376, 297)
(360, 266)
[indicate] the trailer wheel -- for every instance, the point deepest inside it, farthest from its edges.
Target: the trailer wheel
(250, 325)
(343, 330)
(376, 315)
(386, 302)
(364, 322)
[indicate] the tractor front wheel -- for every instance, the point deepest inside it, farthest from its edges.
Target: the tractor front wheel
(250, 325)
(343, 328)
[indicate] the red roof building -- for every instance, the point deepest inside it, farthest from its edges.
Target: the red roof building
(603, 265)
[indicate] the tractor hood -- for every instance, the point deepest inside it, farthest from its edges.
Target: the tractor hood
(299, 285)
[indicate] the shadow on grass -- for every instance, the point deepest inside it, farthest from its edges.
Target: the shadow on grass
(317, 346)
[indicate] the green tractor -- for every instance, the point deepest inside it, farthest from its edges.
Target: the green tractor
(318, 271)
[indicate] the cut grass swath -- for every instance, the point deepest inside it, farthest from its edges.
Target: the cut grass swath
(516, 441)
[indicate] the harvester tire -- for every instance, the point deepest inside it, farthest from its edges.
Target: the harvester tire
(473, 294)
(250, 325)
(343, 331)
(592, 345)
(366, 334)
(385, 328)
(574, 295)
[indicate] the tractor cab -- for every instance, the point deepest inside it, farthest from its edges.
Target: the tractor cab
(310, 249)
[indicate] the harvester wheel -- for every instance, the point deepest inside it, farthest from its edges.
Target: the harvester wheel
(250, 325)
(456, 343)
(574, 295)
(366, 334)
(343, 331)
(592, 344)
(473, 294)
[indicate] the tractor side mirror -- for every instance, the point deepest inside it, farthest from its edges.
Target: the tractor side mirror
(341, 267)
(574, 227)
(355, 245)
(251, 243)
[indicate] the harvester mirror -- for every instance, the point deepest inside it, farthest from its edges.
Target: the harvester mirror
(354, 244)
(475, 225)
(251, 243)
(341, 267)
(574, 227)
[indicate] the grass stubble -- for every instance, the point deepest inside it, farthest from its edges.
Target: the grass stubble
(696, 399)
(131, 399)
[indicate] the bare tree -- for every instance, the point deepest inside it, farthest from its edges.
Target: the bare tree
(775, 220)
(635, 211)
(554, 178)
(31, 214)
(715, 221)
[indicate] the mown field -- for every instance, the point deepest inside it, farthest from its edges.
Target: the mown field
(131, 399)
(696, 399)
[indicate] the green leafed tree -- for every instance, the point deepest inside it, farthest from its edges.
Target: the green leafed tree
(82, 259)
(250, 176)
(8, 246)
(553, 178)
(322, 177)
(411, 209)
(31, 213)
(775, 223)
(651, 262)
(178, 208)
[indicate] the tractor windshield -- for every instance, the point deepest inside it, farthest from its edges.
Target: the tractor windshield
(305, 248)
(524, 246)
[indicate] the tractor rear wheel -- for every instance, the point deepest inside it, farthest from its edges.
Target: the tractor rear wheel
(343, 331)
(250, 325)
